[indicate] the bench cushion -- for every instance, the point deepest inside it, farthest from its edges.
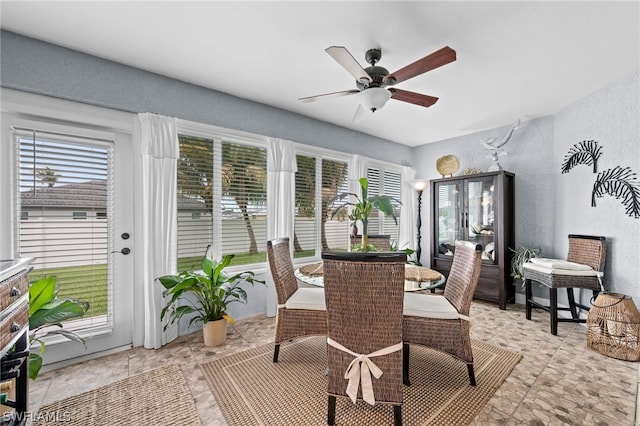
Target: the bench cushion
(428, 306)
(307, 298)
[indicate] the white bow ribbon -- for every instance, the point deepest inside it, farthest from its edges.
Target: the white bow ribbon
(361, 369)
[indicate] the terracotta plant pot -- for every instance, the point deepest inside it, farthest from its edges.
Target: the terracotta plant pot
(215, 332)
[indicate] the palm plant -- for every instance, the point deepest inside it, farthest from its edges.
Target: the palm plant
(363, 207)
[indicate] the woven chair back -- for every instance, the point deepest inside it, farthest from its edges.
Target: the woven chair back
(587, 250)
(464, 274)
(364, 293)
(281, 267)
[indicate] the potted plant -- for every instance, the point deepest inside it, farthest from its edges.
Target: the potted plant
(47, 311)
(521, 255)
(362, 209)
(213, 291)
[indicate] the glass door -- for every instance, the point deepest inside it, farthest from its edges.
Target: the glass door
(449, 215)
(74, 219)
(480, 214)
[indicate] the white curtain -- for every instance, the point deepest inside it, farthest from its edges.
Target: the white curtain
(157, 137)
(408, 212)
(281, 182)
(358, 168)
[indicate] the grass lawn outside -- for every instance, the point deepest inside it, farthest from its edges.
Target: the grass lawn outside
(88, 283)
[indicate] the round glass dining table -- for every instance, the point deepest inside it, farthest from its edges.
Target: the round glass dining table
(417, 278)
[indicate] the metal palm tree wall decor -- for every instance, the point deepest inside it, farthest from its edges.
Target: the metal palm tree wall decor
(585, 152)
(619, 182)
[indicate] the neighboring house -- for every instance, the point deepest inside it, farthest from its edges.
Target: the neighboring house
(69, 216)
(78, 213)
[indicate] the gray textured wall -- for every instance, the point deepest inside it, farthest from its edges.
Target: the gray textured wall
(550, 205)
(34, 66)
(611, 116)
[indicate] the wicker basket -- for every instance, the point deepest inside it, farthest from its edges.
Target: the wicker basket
(613, 327)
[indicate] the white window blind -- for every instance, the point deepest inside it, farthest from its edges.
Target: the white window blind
(385, 182)
(221, 200)
(244, 195)
(64, 210)
(195, 192)
(335, 179)
(317, 182)
(305, 238)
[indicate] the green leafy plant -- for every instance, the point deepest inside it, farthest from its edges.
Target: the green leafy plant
(212, 288)
(362, 208)
(520, 256)
(47, 311)
(408, 251)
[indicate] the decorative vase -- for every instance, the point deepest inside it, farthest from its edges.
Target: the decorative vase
(215, 332)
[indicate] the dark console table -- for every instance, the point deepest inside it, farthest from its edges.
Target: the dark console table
(14, 340)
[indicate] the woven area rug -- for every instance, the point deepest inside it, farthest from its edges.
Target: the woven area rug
(157, 397)
(251, 390)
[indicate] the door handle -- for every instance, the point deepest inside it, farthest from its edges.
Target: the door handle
(124, 251)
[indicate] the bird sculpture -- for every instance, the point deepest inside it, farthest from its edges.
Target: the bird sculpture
(493, 144)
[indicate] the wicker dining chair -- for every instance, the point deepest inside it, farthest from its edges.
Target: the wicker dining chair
(301, 311)
(583, 269)
(364, 298)
(441, 321)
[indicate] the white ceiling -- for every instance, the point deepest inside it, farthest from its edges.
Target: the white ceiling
(514, 59)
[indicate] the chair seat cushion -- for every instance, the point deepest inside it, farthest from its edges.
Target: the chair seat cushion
(307, 298)
(428, 306)
(541, 268)
(560, 264)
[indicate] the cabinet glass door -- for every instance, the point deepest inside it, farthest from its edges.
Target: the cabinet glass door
(480, 214)
(449, 215)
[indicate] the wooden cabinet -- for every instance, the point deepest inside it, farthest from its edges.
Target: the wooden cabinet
(478, 208)
(14, 341)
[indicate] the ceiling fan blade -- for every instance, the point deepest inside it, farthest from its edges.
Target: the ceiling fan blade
(329, 95)
(361, 113)
(412, 97)
(428, 63)
(348, 62)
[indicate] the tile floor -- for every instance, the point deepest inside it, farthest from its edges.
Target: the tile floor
(559, 381)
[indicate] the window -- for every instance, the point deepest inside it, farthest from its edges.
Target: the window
(224, 183)
(317, 182)
(389, 183)
(101, 215)
(62, 180)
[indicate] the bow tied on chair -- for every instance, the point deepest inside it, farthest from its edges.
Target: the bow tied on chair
(360, 370)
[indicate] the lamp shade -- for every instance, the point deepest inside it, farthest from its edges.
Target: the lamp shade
(419, 185)
(374, 98)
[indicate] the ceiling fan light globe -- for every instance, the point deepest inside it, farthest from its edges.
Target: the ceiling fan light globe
(374, 98)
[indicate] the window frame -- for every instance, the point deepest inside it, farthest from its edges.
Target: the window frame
(383, 167)
(321, 154)
(331, 155)
(221, 135)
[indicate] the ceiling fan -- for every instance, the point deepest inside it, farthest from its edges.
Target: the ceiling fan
(373, 82)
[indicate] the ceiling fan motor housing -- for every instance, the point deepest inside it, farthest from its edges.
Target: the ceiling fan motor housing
(376, 73)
